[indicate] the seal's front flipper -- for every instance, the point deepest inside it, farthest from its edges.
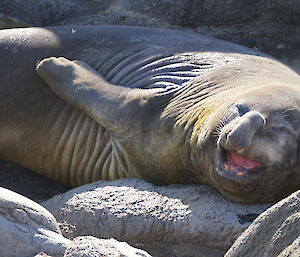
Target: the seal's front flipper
(81, 86)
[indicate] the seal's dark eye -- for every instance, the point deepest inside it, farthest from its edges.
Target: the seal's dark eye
(242, 109)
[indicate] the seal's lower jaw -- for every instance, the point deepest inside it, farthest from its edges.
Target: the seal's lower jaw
(236, 174)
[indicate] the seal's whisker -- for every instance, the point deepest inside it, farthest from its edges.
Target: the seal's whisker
(218, 129)
(230, 115)
(216, 134)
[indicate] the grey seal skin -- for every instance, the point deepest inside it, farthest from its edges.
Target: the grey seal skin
(164, 106)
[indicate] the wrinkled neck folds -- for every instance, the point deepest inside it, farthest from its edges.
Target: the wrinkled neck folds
(193, 106)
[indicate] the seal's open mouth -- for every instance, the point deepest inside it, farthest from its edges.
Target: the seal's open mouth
(231, 165)
(239, 165)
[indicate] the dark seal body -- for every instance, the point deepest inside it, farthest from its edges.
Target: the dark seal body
(168, 138)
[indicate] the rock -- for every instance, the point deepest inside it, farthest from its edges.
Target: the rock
(89, 246)
(26, 228)
(194, 13)
(276, 232)
(184, 13)
(293, 250)
(286, 11)
(140, 213)
(47, 12)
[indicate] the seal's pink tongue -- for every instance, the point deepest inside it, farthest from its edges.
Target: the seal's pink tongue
(237, 162)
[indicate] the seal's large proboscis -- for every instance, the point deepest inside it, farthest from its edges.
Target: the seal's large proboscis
(165, 106)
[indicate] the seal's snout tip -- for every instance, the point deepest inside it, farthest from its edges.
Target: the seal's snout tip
(242, 134)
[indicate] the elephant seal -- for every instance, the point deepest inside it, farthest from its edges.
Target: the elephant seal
(168, 107)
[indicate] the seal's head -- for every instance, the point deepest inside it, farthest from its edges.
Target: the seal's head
(257, 142)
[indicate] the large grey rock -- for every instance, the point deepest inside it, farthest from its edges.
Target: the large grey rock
(183, 13)
(88, 246)
(48, 12)
(193, 13)
(293, 250)
(140, 213)
(276, 232)
(26, 228)
(286, 11)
